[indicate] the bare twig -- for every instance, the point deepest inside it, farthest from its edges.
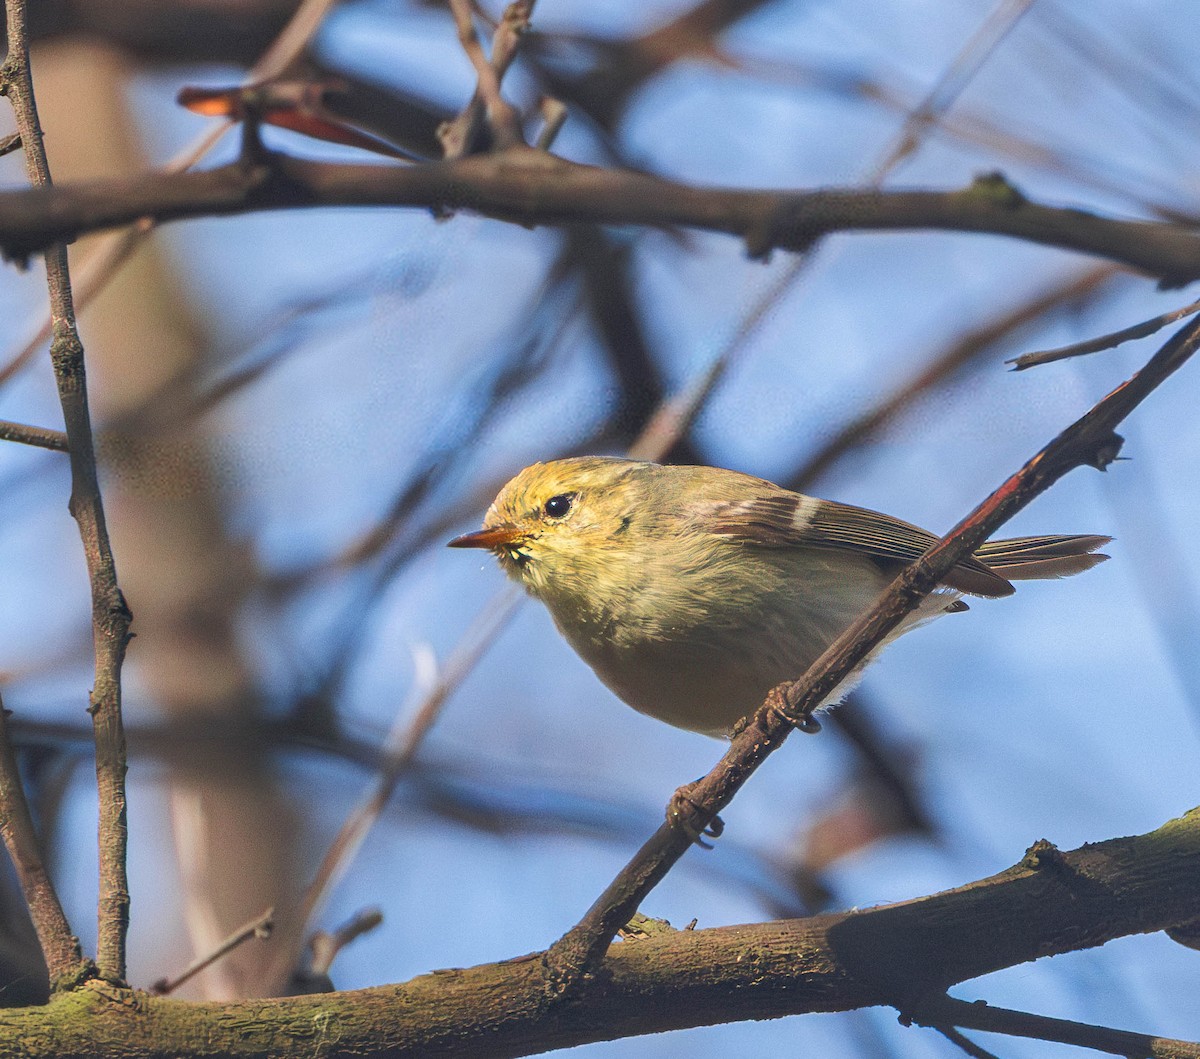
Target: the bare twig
(554, 114)
(403, 742)
(60, 947)
(960, 354)
(1090, 440)
(1109, 341)
(326, 946)
(105, 260)
(292, 41)
(110, 616)
(259, 927)
(967, 1046)
(947, 1011)
(487, 104)
(39, 437)
(951, 84)
(10, 143)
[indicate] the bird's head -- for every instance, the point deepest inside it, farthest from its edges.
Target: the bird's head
(554, 521)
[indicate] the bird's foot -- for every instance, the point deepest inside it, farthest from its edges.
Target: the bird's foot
(683, 810)
(781, 708)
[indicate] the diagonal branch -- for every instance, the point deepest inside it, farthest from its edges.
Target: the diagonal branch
(59, 946)
(1089, 441)
(110, 615)
(530, 187)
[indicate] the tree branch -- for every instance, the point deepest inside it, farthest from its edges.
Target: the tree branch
(110, 616)
(531, 187)
(38, 437)
(1051, 902)
(60, 947)
(947, 1011)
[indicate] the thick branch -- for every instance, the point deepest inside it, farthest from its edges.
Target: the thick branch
(1049, 903)
(110, 615)
(530, 187)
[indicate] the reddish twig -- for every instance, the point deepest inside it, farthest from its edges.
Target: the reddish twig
(1089, 441)
(110, 616)
(60, 947)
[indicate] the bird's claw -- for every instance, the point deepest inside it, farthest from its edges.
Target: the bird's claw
(681, 812)
(802, 722)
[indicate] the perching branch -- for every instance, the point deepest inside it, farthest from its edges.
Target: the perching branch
(110, 616)
(900, 955)
(1090, 441)
(530, 187)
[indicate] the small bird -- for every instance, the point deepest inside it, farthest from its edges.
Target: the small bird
(692, 591)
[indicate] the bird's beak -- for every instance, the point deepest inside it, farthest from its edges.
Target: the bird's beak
(495, 537)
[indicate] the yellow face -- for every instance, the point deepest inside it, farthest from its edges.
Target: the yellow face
(550, 511)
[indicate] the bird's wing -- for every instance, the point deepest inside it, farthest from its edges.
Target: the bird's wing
(790, 520)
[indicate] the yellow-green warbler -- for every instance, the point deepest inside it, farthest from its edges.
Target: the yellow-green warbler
(692, 591)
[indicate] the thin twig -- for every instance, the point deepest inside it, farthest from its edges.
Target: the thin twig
(291, 42)
(965, 1044)
(554, 114)
(60, 947)
(104, 260)
(10, 143)
(39, 437)
(259, 927)
(1109, 341)
(325, 946)
(980, 1016)
(964, 351)
(488, 79)
(110, 615)
(954, 80)
(403, 742)
(487, 104)
(1090, 440)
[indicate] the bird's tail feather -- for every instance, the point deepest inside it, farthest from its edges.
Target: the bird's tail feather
(1029, 558)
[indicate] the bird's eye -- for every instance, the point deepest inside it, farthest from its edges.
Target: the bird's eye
(558, 506)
